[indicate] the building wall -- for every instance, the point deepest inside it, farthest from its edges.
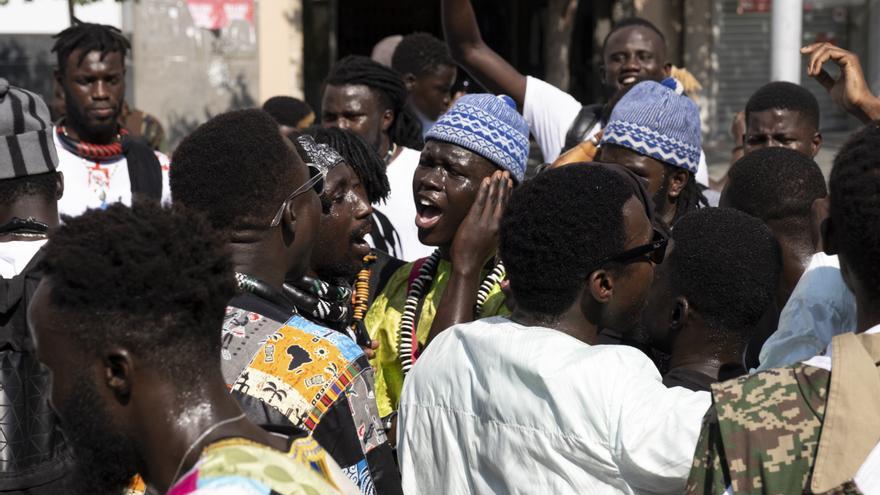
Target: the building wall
(187, 74)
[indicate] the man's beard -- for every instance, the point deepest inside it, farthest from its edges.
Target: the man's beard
(105, 461)
(73, 114)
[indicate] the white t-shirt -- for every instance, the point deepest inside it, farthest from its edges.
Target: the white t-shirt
(15, 256)
(820, 307)
(90, 184)
(550, 112)
(497, 407)
(400, 208)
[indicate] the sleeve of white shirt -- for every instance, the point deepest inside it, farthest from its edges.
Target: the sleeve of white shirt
(165, 163)
(653, 429)
(549, 112)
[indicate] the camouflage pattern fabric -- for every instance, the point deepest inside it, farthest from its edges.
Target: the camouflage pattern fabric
(761, 434)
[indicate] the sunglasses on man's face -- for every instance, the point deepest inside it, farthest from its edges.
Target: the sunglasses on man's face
(654, 250)
(317, 178)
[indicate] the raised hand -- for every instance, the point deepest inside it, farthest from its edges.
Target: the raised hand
(477, 237)
(850, 90)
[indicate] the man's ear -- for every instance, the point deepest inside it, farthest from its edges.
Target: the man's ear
(678, 179)
(119, 370)
(602, 72)
(601, 286)
(59, 186)
(680, 314)
(817, 143)
(387, 119)
(409, 79)
(667, 68)
(288, 220)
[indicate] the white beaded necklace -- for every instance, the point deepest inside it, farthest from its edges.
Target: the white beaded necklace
(407, 342)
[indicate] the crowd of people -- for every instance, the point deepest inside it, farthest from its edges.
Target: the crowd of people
(383, 297)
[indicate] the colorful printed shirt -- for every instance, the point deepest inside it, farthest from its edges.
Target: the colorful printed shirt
(242, 467)
(311, 377)
(383, 323)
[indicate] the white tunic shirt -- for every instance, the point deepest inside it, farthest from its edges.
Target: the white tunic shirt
(89, 184)
(496, 407)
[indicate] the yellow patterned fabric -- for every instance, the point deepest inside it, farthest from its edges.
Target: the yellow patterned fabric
(383, 323)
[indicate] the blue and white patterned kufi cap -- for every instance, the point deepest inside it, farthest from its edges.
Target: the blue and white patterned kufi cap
(657, 120)
(489, 126)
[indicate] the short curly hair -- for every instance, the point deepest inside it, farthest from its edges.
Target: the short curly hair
(555, 229)
(784, 95)
(726, 263)
(236, 168)
(153, 279)
(43, 186)
(420, 53)
(855, 204)
(776, 185)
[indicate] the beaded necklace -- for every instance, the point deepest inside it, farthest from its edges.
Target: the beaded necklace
(89, 151)
(408, 343)
(361, 294)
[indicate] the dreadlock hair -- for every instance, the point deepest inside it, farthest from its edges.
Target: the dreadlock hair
(150, 278)
(236, 168)
(388, 86)
(88, 37)
(691, 197)
(42, 185)
(630, 22)
(784, 95)
(419, 54)
(855, 205)
(366, 163)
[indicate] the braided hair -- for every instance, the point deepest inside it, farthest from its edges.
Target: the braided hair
(388, 86)
(89, 37)
(691, 198)
(363, 159)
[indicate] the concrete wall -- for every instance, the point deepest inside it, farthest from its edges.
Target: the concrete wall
(280, 39)
(186, 75)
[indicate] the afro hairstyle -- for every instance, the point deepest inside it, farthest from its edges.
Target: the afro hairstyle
(236, 168)
(782, 95)
(89, 37)
(855, 204)
(556, 228)
(153, 279)
(776, 185)
(420, 53)
(726, 263)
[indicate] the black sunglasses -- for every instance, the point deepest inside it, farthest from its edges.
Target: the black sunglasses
(655, 250)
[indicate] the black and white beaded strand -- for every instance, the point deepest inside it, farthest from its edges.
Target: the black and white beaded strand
(407, 341)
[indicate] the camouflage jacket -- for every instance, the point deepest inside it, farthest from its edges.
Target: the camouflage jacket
(762, 432)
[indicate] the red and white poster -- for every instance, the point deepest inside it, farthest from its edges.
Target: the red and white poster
(217, 14)
(753, 6)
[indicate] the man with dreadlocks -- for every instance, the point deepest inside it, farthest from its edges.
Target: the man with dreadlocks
(367, 98)
(429, 73)
(101, 163)
(473, 155)
(345, 273)
(285, 370)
